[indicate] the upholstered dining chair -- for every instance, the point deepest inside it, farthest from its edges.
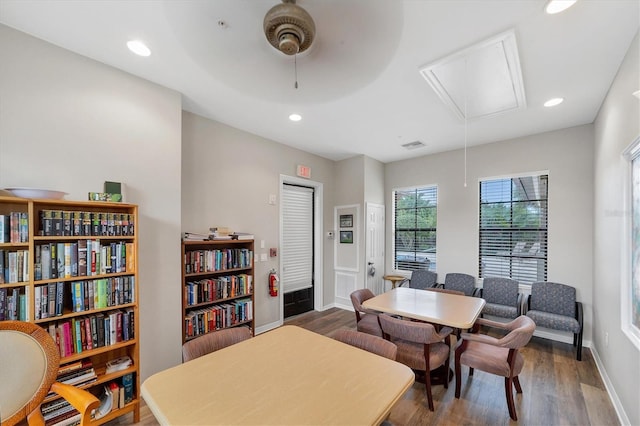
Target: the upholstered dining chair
(366, 319)
(553, 305)
(367, 342)
(502, 296)
(461, 282)
(423, 279)
(496, 356)
(29, 361)
(420, 347)
(214, 341)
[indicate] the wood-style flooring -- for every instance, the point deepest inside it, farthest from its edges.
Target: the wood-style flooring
(557, 389)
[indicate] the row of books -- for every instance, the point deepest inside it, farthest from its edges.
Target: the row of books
(14, 227)
(82, 258)
(209, 290)
(95, 331)
(14, 266)
(217, 260)
(115, 395)
(13, 304)
(56, 298)
(203, 321)
(81, 223)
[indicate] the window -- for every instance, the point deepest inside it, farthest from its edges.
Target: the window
(513, 228)
(630, 291)
(415, 219)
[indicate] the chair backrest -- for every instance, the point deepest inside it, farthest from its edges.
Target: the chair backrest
(29, 360)
(214, 341)
(367, 342)
(413, 331)
(461, 282)
(359, 296)
(520, 331)
(553, 297)
(503, 291)
(422, 279)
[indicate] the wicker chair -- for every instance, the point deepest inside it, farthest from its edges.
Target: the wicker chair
(554, 305)
(366, 319)
(29, 360)
(420, 347)
(214, 341)
(496, 356)
(367, 342)
(502, 296)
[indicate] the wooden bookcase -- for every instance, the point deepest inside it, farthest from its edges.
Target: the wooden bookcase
(101, 225)
(218, 287)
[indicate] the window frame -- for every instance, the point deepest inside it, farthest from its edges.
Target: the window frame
(518, 251)
(431, 257)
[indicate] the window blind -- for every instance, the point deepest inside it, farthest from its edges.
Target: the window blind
(297, 238)
(415, 220)
(513, 228)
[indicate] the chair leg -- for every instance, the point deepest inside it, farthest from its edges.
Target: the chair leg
(470, 371)
(458, 368)
(427, 384)
(579, 353)
(516, 383)
(445, 374)
(508, 383)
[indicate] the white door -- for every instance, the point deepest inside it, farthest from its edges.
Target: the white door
(375, 247)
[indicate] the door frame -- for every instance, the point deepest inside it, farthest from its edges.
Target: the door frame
(318, 285)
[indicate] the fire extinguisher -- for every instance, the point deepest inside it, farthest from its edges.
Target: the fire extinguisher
(273, 283)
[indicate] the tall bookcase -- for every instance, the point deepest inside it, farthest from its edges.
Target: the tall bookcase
(217, 282)
(95, 283)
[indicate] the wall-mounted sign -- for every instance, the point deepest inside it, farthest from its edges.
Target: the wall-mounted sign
(303, 171)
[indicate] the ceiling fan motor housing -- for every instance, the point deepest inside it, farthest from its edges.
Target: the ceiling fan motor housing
(289, 28)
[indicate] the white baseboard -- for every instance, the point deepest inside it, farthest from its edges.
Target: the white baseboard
(267, 327)
(617, 405)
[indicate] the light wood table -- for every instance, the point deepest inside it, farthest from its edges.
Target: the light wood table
(439, 308)
(287, 376)
(395, 279)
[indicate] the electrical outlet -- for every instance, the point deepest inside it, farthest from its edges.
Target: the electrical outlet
(606, 339)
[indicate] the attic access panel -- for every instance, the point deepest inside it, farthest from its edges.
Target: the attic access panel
(486, 76)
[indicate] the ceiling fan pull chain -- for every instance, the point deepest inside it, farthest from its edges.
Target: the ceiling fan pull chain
(295, 69)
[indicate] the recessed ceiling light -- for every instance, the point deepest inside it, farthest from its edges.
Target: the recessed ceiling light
(295, 117)
(557, 6)
(553, 102)
(138, 47)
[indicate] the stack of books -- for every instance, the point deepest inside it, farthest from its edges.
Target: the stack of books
(194, 236)
(77, 373)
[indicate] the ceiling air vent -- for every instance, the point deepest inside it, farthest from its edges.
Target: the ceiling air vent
(413, 145)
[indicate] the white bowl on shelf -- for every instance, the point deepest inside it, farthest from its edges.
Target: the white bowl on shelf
(37, 193)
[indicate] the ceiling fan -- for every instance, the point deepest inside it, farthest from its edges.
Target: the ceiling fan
(289, 28)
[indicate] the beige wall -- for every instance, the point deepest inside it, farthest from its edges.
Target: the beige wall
(227, 177)
(70, 123)
(617, 125)
(566, 154)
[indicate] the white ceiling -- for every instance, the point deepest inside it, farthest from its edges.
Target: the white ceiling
(360, 89)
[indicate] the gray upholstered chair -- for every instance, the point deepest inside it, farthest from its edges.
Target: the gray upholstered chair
(420, 347)
(423, 279)
(29, 362)
(445, 290)
(496, 356)
(366, 319)
(553, 305)
(502, 297)
(367, 342)
(461, 282)
(213, 341)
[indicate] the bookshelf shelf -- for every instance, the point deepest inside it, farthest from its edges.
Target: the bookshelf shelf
(71, 226)
(217, 283)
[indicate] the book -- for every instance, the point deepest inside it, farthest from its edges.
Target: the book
(118, 364)
(115, 394)
(127, 384)
(242, 236)
(106, 403)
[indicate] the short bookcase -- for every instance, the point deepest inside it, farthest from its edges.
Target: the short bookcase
(218, 287)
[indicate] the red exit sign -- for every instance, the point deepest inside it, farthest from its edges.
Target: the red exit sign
(303, 171)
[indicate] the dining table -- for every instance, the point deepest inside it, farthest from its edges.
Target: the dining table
(286, 376)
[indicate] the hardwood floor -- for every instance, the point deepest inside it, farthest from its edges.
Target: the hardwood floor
(557, 389)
